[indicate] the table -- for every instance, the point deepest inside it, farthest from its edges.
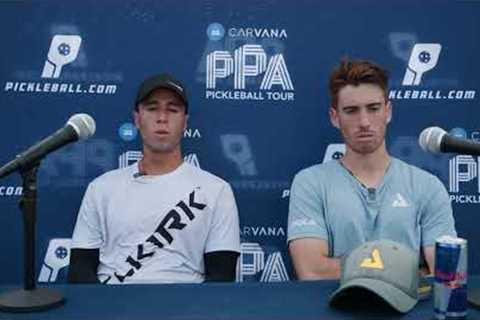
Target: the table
(253, 300)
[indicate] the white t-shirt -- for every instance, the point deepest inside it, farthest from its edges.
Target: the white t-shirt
(156, 229)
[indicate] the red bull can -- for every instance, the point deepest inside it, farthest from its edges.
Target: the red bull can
(450, 286)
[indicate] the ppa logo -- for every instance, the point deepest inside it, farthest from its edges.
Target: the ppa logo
(255, 75)
(254, 261)
(192, 159)
(128, 158)
(463, 170)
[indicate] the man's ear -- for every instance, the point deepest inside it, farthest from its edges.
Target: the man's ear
(185, 124)
(389, 111)
(135, 118)
(333, 117)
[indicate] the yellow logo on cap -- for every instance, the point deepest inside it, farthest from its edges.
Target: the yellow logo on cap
(375, 262)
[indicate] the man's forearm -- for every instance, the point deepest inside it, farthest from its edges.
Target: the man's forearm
(311, 261)
(429, 253)
(326, 268)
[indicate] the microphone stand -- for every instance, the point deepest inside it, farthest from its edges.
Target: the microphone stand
(30, 298)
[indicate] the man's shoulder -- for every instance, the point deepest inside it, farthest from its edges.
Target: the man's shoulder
(419, 180)
(114, 176)
(204, 176)
(413, 171)
(318, 170)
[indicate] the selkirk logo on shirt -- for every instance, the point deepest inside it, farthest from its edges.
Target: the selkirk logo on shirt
(400, 202)
(177, 218)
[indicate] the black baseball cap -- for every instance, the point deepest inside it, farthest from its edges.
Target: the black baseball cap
(162, 80)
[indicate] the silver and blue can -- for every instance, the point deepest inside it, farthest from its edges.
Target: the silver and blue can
(450, 287)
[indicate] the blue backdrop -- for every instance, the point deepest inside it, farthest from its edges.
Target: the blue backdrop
(256, 72)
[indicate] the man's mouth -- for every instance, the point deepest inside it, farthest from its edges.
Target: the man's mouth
(365, 135)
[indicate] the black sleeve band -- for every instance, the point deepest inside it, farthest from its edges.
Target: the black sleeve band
(220, 266)
(83, 266)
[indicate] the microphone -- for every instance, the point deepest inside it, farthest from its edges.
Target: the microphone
(435, 139)
(79, 126)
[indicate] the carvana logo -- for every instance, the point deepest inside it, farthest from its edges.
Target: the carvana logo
(458, 133)
(215, 31)
(127, 131)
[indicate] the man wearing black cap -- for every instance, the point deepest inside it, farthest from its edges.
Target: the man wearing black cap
(161, 219)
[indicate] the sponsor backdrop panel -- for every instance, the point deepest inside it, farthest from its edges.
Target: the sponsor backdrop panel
(257, 75)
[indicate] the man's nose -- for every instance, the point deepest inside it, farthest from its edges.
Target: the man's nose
(364, 119)
(162, 116)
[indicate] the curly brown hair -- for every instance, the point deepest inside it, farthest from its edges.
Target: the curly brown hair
(355, 72)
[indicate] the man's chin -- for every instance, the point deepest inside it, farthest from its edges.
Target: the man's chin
(163, 148)
(365, 148)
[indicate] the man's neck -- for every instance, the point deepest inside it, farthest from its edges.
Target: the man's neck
(155, 163)
(370, 168)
